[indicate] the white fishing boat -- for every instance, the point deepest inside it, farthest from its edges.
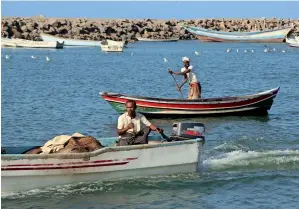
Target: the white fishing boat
(292, 40)
(112, 46)
(294, 45)
(70, 42)
(22, 43)
(158, 40)
(20, 172)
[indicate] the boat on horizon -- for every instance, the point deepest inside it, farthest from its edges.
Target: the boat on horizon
(256, 104)
(207, 35)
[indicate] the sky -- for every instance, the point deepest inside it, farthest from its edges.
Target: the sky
(152, 9)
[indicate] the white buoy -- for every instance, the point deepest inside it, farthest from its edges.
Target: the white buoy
(197, 53)
(252, 50)
(284, 51)
(228, 50)
(33, 57)
(274, 49)
(48, 59)
(165, 60)
(266, 50)
(245, 51)
(7, 57)
(237, 50)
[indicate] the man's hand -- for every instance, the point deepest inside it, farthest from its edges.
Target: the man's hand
(170, 71)
(130, 126)
(160, 130)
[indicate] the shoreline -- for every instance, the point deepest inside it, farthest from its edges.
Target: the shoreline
(125, 29)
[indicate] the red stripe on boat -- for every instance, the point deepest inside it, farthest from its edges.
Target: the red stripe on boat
(70, 163)
(68, 167)
(190, 106)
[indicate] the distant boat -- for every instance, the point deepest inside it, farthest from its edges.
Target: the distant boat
(109, 45)
(70, 42)
(256, 104)
(206, 35)
(112, 46)
(294, 45)
(292, 40)
(7, 42)
(158, 40)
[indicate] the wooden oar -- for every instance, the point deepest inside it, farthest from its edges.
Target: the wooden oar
(177, 85)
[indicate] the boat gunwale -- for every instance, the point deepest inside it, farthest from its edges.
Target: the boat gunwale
(216, 100)
(194, 28)
(70, 39)
(88, 155)
(241, 37)
(157, 40)
(205, 109)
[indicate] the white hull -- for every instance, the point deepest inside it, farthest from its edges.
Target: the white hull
(70, 42)
(158, 40)
(112, 46)
(24, 172)
(22, 43)
(294, 40)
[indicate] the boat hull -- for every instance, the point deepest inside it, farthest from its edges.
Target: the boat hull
(71, 42)
(22, 43)
(158, 40)
(204, 35)
(25, 172)
(257, 104)
(214, 39)
(294, 45)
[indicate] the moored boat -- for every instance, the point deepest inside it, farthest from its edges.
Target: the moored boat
(205, 35)
(20, 172)
(158, 40)
(294, 45)
(256, 104)
(22, 43)
(293, 41)
(70, 42)
(112, 46)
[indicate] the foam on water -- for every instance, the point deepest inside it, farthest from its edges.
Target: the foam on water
(252, 160)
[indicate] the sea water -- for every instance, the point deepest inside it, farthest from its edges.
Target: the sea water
(247, 162)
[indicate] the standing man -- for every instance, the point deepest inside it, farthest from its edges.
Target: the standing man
(133, 128)
(194, 85)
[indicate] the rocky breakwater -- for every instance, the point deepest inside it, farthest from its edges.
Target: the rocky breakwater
(129, 30)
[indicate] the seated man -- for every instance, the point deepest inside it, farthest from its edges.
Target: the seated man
(131, 128)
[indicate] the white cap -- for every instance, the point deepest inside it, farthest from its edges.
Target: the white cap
(185, 59)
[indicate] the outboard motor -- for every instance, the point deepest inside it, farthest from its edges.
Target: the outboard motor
(187, 131)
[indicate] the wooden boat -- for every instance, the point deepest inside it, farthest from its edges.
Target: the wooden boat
(20, 172)
(70, 42)
(256, 104)
(205, 35)
(6, 42)
(158, 40)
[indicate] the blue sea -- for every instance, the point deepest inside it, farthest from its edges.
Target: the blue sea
(247, 162)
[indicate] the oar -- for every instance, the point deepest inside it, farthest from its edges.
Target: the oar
(177, 85)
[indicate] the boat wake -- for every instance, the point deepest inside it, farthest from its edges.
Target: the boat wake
(237, 157)
(111, 186)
